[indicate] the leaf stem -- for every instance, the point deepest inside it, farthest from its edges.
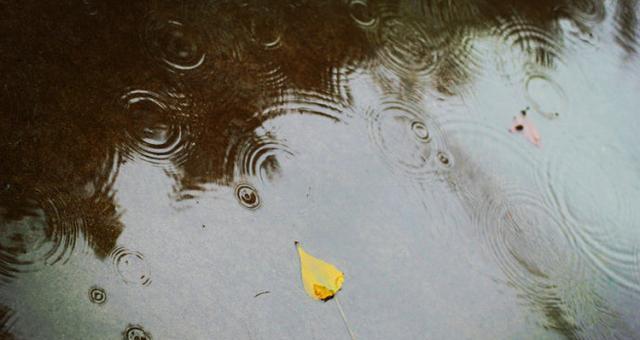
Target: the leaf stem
(344, 318)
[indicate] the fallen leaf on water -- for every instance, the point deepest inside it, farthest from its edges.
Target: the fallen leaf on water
(523, 125)
(321, 280)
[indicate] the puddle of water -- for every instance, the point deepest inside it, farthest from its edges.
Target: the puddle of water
(160, 159)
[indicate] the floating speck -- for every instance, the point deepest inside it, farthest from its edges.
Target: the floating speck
(443, 158)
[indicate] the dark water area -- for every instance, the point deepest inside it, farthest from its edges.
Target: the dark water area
(472, 167)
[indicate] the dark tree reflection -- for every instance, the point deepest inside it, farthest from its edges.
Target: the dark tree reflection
(185, 85)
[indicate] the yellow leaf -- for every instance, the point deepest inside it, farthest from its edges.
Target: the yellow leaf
(321, 280)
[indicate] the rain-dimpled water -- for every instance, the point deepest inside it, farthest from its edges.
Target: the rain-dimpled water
(470, 169)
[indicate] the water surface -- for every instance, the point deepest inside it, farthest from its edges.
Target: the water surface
(471, 166)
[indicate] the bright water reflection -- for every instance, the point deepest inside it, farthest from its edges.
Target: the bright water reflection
(470, 165)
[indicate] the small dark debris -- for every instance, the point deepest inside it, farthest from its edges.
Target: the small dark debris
(261, 293)
(442, 157)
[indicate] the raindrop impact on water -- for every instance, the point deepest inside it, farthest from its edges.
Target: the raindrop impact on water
(459, 160)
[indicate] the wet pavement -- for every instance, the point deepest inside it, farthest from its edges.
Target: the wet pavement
(471, 166)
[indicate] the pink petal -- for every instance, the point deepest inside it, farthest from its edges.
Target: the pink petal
(528, 129)
(531, 133)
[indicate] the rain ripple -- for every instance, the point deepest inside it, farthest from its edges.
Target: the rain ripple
(583, 13)
(546, 96)
(97, 295)
(257, 155)
(272, 79)
(266, 30)
(362, 14)
(516, 32)
(306, 102)
(136, 332)
(158, 133)
(101, 185)
(178, 46)
(626, 22)
(576, 35)
(409, 141)
(406, 49)
(584, 189)
(247, 196)
(495, 140)
(131, 266)
(636, 268)
(529, 242)
(450, 12)
(7, 320)
(40, 231)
